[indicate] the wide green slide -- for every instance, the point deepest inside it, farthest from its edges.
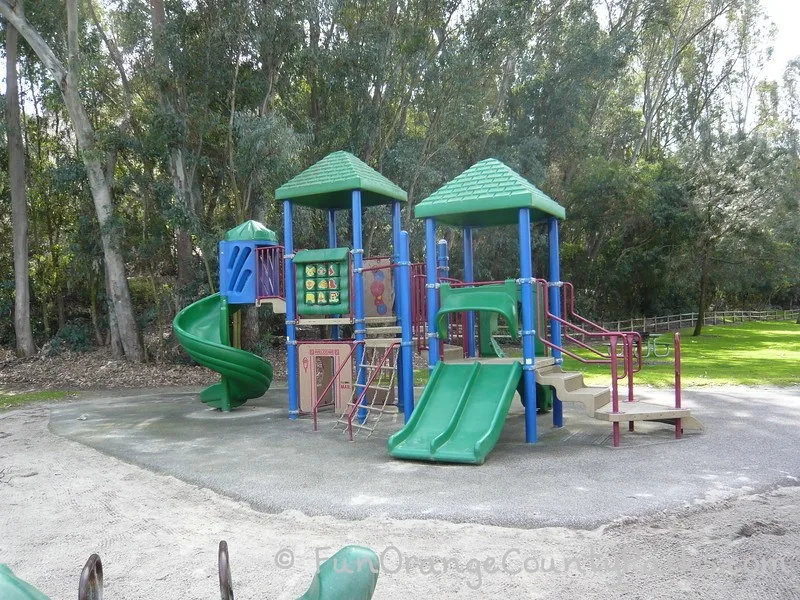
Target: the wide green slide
(203, 331)
(460, 414)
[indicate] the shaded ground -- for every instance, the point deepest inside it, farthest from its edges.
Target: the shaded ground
(157, 536)
(573, 477)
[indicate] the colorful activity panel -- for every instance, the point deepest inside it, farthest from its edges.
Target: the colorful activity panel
(323, 281)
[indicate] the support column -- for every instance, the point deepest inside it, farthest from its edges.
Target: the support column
(432, 291)
(397, 251)
(443, 271)
(406, 362)
(555, 309)
(360, 332)
(469, 276)
(397, 226)
(291, 310)
(528, 333)
(442, 259)
(332, 243)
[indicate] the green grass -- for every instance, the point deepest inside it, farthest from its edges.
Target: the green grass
(10, 399)
(744, 354)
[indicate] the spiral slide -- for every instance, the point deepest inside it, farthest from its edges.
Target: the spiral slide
(202, 330)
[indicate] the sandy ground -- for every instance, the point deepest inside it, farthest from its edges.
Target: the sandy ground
(157, 537)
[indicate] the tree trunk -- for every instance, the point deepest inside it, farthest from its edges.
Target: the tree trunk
(701, 309)
(68, 83)
(183, 184)
(251, 331)
(114, 341)
(19, 205)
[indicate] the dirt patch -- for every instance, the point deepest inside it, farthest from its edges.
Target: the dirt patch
(98, 370)
(158, 538)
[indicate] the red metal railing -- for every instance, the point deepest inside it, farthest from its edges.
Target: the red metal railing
(676, 343)
(269, 273)
(628, 338)
(360, 397)
(419, 315)
(318, 400)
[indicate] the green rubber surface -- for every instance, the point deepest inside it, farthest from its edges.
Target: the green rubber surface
(202, 329)
(460, 415)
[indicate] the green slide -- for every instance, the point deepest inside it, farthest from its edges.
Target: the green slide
(203, 331)
(460, 414)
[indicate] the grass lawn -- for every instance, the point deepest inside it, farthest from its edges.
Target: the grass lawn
(9, 399)
(742, 354)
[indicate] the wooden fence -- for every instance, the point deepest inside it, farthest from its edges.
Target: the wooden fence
(684, 320)
(680, 321)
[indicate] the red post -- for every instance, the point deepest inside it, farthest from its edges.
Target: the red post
(677, 347)
(629, 366)
(614, 389)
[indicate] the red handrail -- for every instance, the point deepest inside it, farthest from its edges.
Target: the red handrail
(542, 285)
(568, 305)
(357, 405)
(319, 398)
(676, 343)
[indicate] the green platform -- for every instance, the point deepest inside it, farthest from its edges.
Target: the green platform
(202, 329)
(460, 415)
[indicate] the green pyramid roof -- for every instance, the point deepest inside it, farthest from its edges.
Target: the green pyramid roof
(488, 193)
(251, 231)
(329, 183)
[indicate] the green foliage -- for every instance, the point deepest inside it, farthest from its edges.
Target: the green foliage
(675, 195)
(73, 336)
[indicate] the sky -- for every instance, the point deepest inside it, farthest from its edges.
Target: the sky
(786, 16)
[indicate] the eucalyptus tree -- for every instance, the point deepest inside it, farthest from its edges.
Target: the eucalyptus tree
(19, 205)
(68, 81)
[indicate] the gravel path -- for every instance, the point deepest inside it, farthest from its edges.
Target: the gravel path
(157, 537)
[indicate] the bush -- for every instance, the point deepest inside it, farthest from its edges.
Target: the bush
(73, 336)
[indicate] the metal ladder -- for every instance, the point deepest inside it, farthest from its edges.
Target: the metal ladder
(380, 376)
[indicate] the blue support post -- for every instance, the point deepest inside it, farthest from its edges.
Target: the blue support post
(443, 269)
(555, 309)
(291, 311)
(432, 291)
(469, 276)
(360, 332)
(406, 362)
(332, 242)
(442, 259)
(396, 252)
(397, 226)
(528, 345)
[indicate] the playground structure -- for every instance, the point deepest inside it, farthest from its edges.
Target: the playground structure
(395, 307)
(331, 580)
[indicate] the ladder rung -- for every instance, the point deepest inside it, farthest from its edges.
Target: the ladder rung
(362, 426)
(382, 367)
(382, 388)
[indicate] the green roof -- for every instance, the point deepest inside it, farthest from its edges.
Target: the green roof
(488, 193)
(321, 255)
(329, 183)
(251, 231)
